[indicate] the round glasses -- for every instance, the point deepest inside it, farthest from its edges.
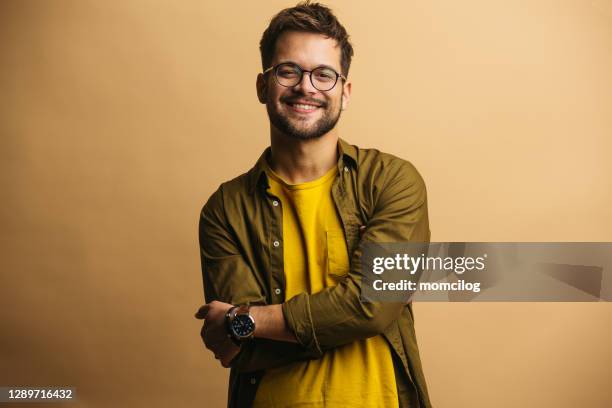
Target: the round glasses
(289, 74)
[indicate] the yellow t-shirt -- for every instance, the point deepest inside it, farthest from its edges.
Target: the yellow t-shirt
(358, 374)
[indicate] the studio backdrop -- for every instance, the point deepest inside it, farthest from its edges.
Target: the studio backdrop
(118, 119)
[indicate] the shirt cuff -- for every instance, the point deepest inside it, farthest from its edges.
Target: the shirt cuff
(299, 319)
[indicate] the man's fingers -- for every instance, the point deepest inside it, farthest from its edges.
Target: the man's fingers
(220, 347)
(201, 313)
(225, 353)
(214, 331)
(213, 335)
(215, 346)
(228, 355)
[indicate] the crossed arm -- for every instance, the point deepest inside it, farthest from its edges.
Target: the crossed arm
(270, 325)
(306, 325)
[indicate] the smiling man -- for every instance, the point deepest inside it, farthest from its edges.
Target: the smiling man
(281, 245)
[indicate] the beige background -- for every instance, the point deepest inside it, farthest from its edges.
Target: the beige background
(119, 118)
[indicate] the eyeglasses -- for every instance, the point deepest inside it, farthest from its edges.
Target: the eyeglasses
(289, 74)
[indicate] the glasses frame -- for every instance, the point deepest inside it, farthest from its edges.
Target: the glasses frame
(302, 72)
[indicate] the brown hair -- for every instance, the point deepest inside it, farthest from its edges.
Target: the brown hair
(306, 17)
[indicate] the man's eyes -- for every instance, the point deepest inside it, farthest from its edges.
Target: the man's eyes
(325, 75)
(319, 73)
(288, 72)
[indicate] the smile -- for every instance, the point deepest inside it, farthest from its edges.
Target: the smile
(302, 107)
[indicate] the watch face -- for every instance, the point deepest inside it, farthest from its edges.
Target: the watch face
(243, 326)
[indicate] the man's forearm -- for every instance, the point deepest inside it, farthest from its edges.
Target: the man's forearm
(270, 323)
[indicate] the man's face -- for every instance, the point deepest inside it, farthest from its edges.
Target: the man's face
(285, 104)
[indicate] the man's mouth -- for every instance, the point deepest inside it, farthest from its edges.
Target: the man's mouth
(303, 107)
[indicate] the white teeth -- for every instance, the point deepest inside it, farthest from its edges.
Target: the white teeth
(305, 107)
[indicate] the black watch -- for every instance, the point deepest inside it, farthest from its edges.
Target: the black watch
(240, 324)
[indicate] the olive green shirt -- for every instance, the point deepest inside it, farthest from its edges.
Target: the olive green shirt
(379, 198)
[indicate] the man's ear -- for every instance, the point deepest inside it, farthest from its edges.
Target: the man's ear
(346, 94)
(262, 90)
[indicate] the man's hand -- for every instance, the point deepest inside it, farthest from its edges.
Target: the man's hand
(214, 332)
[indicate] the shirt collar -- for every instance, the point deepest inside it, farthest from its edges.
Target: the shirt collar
(257, 175)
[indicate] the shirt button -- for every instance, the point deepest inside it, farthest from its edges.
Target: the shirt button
(345, 169)
(277, 291)
(275, 203)
(253, 380)
(276, 243)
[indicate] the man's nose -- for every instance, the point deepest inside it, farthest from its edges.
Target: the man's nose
(305, 85)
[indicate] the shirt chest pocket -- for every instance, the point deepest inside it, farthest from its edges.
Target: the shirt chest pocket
(337, 255)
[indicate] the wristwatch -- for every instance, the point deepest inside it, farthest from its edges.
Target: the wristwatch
(240, 324)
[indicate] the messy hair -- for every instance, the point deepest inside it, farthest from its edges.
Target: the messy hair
(306, 17)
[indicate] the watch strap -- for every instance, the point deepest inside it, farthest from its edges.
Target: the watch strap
(244, 309)
(229, 316)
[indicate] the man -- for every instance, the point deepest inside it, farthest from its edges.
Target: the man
(281, 244)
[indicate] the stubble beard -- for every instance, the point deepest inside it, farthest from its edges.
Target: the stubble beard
(326, 123)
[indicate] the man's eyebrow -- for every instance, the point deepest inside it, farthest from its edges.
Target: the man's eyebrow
(327, 66)
(318, 66)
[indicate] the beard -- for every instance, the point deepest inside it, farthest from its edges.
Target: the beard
(287, 125)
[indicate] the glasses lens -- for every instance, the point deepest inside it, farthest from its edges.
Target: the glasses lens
(323, 78)
(288, 74)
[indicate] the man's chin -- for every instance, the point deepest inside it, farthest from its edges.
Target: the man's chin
(299, 129)
(305, 125)
(302, 127)
(301, 134)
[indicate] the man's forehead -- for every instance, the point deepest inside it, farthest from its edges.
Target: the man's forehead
(310, 49)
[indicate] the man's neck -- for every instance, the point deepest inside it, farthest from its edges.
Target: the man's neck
(299, 161)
